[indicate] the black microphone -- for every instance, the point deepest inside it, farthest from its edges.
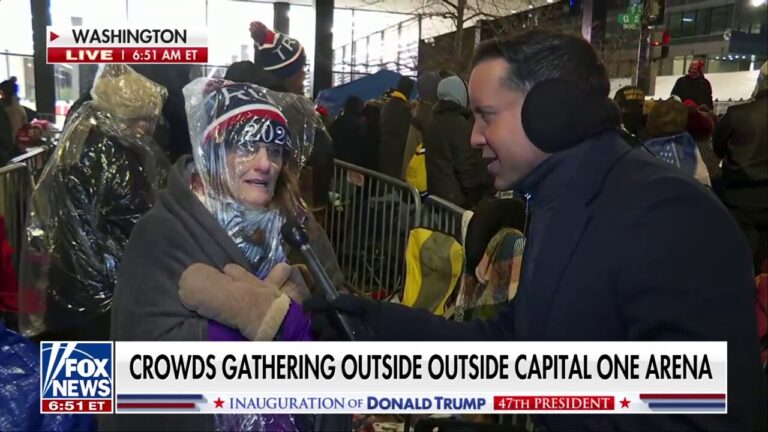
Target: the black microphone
(297, 237)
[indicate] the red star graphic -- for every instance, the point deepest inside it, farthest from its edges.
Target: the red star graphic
(624, 403)
(219, 403)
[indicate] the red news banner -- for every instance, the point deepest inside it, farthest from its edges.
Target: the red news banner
(126, 45)
(553, 403)
(127, 55)
(76, 406)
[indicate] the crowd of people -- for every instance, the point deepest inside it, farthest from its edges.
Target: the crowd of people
(159, 216)
(20, 127)
(727, 153)
(397, 132)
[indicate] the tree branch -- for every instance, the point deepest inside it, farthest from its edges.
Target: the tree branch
(455, 6)
(478, 14)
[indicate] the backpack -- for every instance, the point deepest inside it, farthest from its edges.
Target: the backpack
(416, 173)
(433, 262)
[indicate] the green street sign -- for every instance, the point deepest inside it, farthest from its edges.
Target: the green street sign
(629, 21)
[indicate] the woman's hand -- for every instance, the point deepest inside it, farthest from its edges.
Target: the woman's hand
(235, 298)
(292, 280)
(295, 281)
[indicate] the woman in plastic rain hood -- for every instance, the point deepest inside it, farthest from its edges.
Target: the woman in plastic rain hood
(208, 263)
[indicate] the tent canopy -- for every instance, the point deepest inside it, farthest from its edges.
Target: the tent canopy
(369, 87)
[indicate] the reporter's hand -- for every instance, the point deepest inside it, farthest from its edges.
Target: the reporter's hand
(325, 324)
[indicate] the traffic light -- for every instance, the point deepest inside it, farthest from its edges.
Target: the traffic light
(662, 40)
(665, 40)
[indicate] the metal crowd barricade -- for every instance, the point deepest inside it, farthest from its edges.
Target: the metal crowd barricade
(368, 225)
(442, 215)
(16, 186)
(35, 159)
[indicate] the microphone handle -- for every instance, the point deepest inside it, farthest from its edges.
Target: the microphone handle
(328, 290)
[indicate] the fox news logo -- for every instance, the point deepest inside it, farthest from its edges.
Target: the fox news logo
(76, 377)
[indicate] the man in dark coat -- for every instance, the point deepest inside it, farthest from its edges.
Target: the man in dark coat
(455, 170)
(348, 133)
(371, 115)
(8, 147)
(694, 86)
(741, 139)
(280, 62)
(630, 101)
(12, 116)
(620, 246)
(395, 123)
(422, 115)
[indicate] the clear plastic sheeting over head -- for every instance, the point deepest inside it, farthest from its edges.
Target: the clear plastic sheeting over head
(242, 148)
(121, 92)
(99, 181)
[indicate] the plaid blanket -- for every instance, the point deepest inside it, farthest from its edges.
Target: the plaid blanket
(495, 279)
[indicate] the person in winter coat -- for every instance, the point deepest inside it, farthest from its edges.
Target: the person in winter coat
(371, 115)
(395, 124)
(191, 269)
(8, 148)
(280, 58)
(619, 246)
(30, 135)
(9, 96)
(741, 139)
(630, 100)
(694, 86)
(280, 62)
(669, 140)
(100, 180)
(348, 133)
(455, 170)
(422, 115)
(242, 71)
(12, 118)
(171, 131)
(701, 124)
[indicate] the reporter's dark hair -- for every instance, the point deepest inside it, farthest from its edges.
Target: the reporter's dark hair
(538, 55)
